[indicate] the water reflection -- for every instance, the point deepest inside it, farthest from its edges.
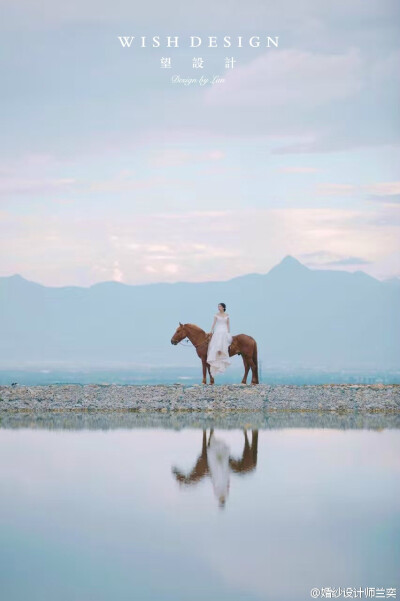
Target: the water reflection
(95, 514)
(216, 462)
(260, 420)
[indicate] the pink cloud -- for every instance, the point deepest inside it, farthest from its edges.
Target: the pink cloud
(297, 169)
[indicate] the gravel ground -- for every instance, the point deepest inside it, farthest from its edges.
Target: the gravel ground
(217, 398)
(178, 420)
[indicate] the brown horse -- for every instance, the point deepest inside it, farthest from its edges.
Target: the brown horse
(241, 344)
(244, 465)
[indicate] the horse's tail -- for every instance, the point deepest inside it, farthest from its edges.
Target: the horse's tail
(255, 359)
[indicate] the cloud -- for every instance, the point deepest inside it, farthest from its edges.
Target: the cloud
(349, 261)
(101, 141)
(332, 189)
(383, 188)
(34, 186)
(326, 259)
(176, 157)
(297, 169)
(290, 77)
(325, 101)
(310, 13)
(71, 248)
(384, 191)
(129, 184)
(309, 88)
(389, 191)
(117, 274)
(392, 198)
(37, 175)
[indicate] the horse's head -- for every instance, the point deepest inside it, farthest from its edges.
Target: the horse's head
(180, 334)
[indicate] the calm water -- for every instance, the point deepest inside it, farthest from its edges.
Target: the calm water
(124, 514)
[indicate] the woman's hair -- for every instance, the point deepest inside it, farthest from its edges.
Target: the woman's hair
(223, 305)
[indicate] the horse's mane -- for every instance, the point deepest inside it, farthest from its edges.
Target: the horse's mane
(193, 325)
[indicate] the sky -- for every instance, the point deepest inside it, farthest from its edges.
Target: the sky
(109, 171)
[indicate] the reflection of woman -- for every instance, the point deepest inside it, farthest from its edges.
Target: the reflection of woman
(218, 348)
(212, 462)
(218, 463)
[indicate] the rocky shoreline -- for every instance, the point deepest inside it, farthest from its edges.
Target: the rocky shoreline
(165, 398)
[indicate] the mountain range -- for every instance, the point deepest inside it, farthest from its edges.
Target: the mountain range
(300, 317)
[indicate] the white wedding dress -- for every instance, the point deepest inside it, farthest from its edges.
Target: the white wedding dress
(218, 354)
(218, 463)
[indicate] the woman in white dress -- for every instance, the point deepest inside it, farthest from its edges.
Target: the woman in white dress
(218, 353)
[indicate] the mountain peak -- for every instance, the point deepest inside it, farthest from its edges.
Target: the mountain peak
(289, 260)
(289, 265)
(16, 280)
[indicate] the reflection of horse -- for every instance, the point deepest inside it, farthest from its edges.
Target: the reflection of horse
(246, 464)
(242, 344)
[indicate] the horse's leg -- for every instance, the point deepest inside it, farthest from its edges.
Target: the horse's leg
(203, 361)
(246, 368)
(254, 445)
(254, 379)
(209, 372)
